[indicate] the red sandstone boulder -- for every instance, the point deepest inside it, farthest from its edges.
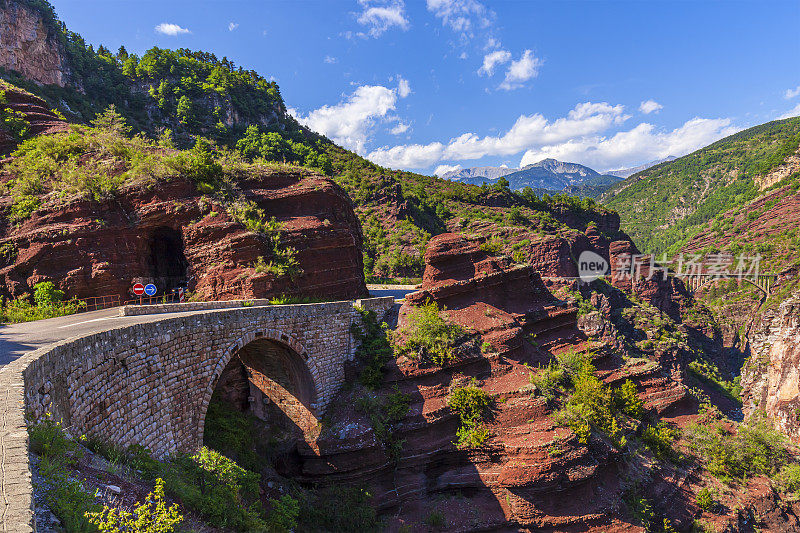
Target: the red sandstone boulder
(649, 284)
(488, 295)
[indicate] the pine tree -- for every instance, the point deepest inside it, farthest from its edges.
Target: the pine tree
(110, 120)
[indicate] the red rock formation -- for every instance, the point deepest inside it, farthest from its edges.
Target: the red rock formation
(530, 472)
(487, 294)
(91, 248)
(40, 119)
(645, 281)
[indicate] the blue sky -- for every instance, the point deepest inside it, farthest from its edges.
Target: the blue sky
(435, 84)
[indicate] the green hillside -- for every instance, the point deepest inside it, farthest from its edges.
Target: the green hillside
(666, 205)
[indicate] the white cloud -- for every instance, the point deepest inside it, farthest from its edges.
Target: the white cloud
(650, 106)
(492, 59)
(528, 131)
(585, 135)
(381, 15)
(403, 87)
(171, 29)
(400, 128)
(351, 121)
(791, 93)
(462, 16)
(792, 112)
(330, 60)
(521, 70)
(442, 169)
(642, 143)
(232, 26)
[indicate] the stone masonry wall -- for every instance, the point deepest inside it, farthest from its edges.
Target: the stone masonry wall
(150, 384)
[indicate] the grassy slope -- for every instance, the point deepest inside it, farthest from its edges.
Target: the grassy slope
(664, 206)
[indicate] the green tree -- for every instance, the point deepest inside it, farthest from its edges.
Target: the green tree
(110, 120)
(185, 110)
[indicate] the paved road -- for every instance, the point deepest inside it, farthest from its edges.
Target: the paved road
(398, 291)
(18, 339)
(398, 294)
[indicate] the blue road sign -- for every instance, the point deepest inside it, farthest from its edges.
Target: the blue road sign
(150, 289)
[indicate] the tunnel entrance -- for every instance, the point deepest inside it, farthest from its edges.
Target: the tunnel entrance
(267, 392)
(168, 264)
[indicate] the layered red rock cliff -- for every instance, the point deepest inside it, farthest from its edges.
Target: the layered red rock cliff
(500, 301)
(167, 232)
(39, 118)
(531, 472)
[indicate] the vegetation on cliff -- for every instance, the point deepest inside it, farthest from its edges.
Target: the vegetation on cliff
(664, 206)
(428, 336)
(183, 492)
(13, 122)
(97, 162)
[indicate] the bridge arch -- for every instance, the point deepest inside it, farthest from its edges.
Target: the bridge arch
(762, 283)
(307, 383)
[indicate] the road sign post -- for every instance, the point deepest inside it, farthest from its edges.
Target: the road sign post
(138, 290)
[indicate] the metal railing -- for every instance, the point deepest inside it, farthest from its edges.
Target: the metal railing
(95, 303)
(153, 300)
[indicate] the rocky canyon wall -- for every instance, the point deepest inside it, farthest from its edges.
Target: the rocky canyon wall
(29, 45)
(771, 376)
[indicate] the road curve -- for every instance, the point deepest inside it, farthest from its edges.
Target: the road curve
(18, 339)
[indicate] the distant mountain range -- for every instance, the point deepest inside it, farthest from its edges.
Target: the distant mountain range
(469, 175)
(550, 176)
(625, 172)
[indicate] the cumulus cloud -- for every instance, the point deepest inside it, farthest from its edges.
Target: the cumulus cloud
(351, 121)
(587, 135)
(792, 112)
(330, 60)
(461, 16)
(400, 128)
(521, 70)
(528, 131)
(492, 59)
(403, 87)
(380, 15)
(791, 93)
(170, 29)
(642, 143)
(232, 26)
(443, 169)
(650, 106)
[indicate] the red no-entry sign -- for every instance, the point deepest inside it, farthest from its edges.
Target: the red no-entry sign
(138, 289)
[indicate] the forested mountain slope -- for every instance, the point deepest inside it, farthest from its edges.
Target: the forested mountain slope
(179, 96)
(666, 205)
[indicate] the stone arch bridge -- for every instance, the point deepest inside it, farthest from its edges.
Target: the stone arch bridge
(151, 383)
(695, 282)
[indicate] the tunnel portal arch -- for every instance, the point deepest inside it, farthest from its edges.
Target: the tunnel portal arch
(169, 267)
